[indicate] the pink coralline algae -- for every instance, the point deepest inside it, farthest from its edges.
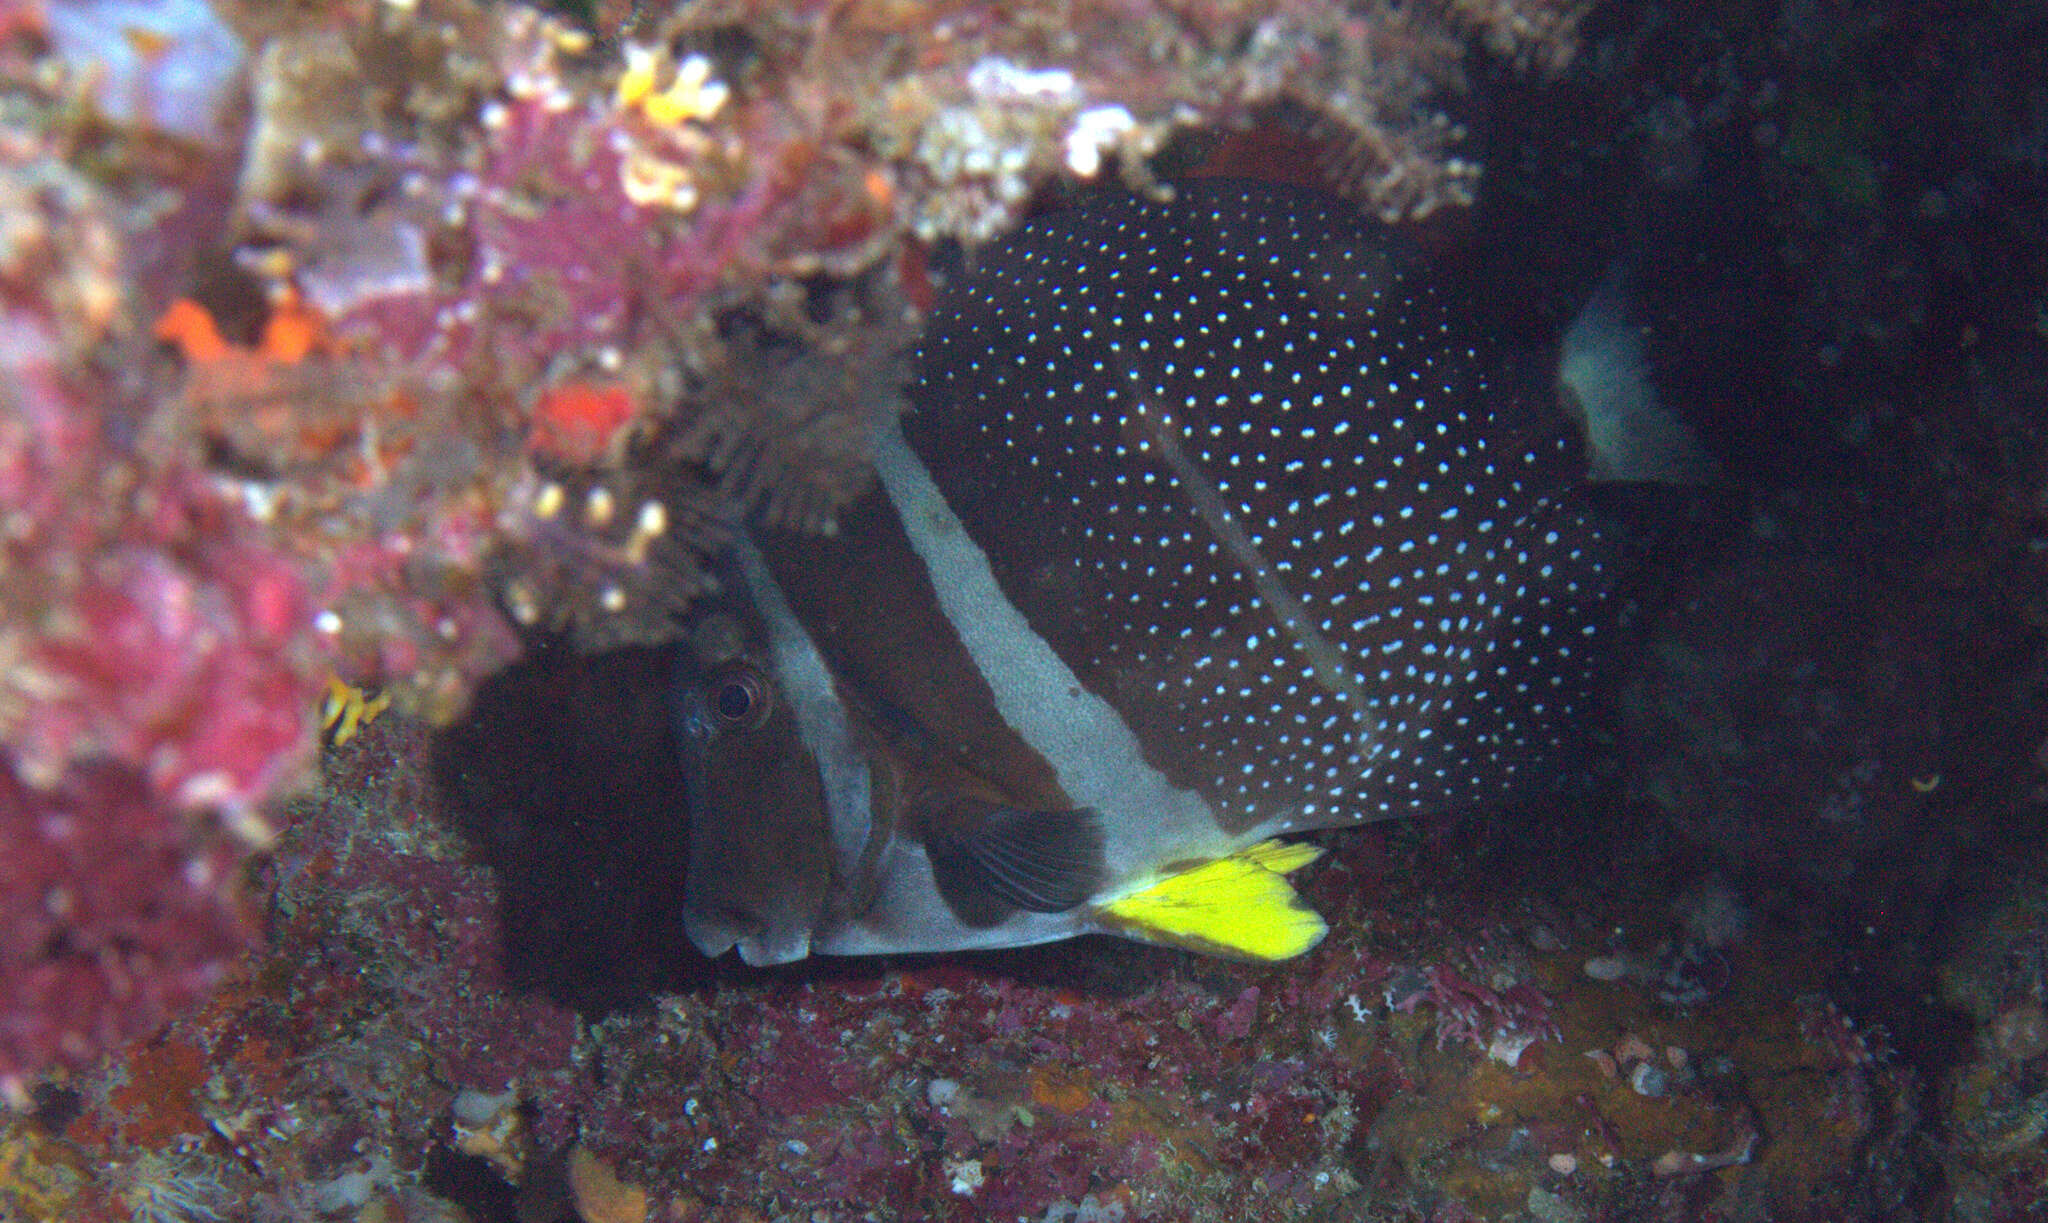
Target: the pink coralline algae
(111, 921)
(173, 663)
(156, 691)
(1469, 1012)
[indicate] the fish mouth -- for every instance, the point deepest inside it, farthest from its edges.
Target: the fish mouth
(712, 937)
(768, 950)
(759, 945)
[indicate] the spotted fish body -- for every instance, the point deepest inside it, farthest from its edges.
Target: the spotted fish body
(1201, 531)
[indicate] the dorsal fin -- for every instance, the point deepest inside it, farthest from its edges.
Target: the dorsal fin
(1239, 906)
(990, 860)
(1603, 378)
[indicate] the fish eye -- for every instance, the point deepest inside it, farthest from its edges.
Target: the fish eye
(739, 697)
(735, 700)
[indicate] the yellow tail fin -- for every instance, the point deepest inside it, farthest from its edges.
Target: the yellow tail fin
(1239, 906)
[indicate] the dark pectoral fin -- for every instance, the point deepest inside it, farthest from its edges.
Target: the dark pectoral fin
(990, 860)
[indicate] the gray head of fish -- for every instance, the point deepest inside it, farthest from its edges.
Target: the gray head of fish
(824, 819)
(761, 870)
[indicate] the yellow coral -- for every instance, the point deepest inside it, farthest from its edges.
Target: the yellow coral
(691, 93)
(654, 182)
(660, 167)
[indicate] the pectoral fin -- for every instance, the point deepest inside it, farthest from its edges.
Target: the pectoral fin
(991, 860)
(1239, 906)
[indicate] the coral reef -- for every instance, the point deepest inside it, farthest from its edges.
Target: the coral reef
(1443, 1051)
(358, 340)
(377, 344)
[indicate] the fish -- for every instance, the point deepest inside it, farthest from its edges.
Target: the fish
(1202, 530)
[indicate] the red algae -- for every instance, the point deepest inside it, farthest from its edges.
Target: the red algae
(116, 919)
(579, 422)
